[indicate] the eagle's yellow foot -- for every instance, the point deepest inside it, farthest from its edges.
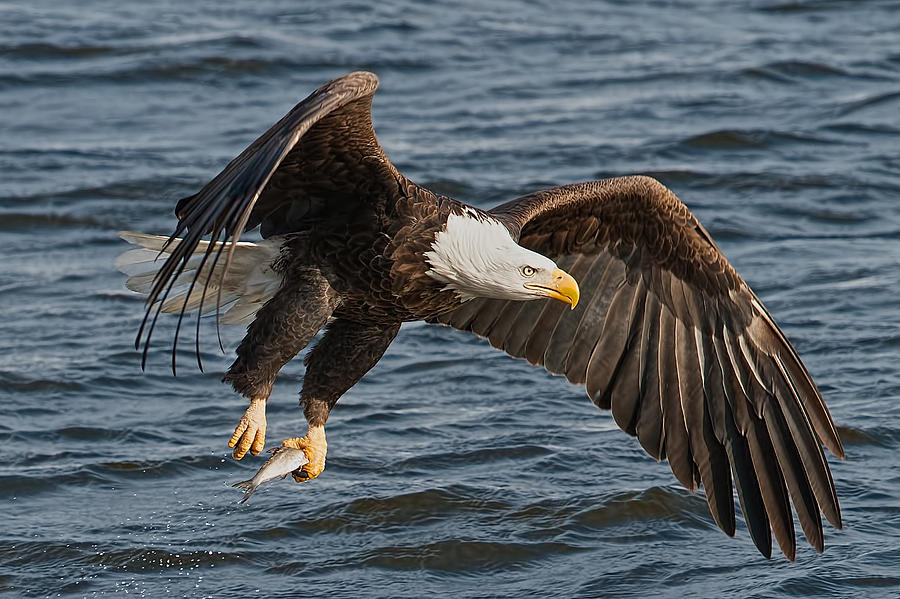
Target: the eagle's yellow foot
(315, 448)
(250, 433)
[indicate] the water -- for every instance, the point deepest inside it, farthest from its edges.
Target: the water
(452, 470)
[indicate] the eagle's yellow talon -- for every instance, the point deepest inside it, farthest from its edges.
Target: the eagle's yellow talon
(250, 432)
(313, 445)
(294, 442)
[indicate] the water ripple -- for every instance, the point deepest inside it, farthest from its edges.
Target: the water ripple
(457, 555)
(790, 70)
(152, 560)
(728, 139)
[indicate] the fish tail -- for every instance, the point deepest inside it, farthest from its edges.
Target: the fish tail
(247, 487)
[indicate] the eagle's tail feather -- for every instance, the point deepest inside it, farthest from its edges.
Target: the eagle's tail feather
(250, 281)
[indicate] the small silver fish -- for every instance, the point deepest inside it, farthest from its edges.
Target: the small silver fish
(284, 460)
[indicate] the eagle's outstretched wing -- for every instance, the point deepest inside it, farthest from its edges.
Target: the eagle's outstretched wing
(673, 340)
(321, 159)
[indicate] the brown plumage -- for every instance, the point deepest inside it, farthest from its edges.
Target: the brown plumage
(667, 335)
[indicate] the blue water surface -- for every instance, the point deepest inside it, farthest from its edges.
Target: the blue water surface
(453, 470)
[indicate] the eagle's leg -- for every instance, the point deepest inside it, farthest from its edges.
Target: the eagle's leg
(346, 352)
(282, 328)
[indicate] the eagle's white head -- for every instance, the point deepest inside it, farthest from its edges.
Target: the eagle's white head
(475, 256)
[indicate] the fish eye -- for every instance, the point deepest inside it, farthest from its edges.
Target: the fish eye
(528, 271)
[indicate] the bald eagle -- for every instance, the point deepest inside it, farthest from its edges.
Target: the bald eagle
(644, 309)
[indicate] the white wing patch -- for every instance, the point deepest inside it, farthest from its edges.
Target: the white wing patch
(249, 284)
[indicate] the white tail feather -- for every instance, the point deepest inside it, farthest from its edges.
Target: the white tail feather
(249, 284)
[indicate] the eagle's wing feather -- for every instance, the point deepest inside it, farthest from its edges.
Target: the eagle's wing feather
(670, 338)
(322, 156)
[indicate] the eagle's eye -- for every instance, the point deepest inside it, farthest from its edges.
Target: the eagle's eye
(528, 271)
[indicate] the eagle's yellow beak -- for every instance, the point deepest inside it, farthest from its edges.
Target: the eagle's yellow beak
(561, 287)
